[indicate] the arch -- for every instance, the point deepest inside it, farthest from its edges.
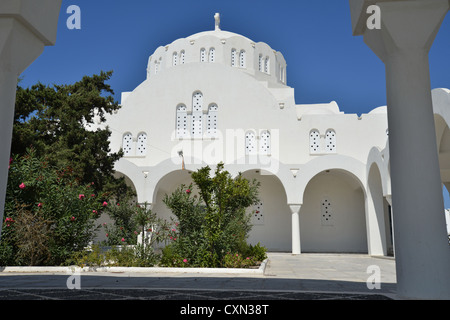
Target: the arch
(332, 216)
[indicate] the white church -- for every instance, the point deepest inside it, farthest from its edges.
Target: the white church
(218, 96)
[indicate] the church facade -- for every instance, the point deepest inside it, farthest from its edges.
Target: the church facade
(217, 96)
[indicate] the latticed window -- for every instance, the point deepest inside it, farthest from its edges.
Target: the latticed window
(212, 55)
(261, 63)
(330, 141)
(127, 144)
(211, 121)
(197, 115)
(182, 57)
(267, 65)
(242, 59)
(264, 144)
(250, 143)
(233, 58)
(181, 125)
(314, 141)
(202, 55)
(175, 59)
(141, 147)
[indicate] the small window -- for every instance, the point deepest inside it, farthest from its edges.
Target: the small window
(175, 59)
(267, 65)
(264, 144)
(197, 115)
(242, 59)
(258, 214)
(250, 143)
(127, 144)
(181, 122)
(233, 58)
(212, 55)
(330, 141)
(141, 148)
(156, 67)
(314, 141)
(211, 121)
(261, 63)
(326, 217)
(182, 57)
(202, 55)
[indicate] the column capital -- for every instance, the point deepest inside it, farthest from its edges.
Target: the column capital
(295, 207)
(405, 25)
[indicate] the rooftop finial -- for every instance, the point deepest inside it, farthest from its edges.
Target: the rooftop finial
(217, 18)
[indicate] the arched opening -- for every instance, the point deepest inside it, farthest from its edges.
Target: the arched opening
(271, 216)
(335, 195)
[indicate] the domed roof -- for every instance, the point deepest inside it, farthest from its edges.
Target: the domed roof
(221, 34)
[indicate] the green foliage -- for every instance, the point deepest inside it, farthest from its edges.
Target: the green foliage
(48, 213)
(212, 224)
(54, 120)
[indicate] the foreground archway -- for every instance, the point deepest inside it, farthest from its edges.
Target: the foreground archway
(332, 217)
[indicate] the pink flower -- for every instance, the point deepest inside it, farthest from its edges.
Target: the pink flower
(40, 204)
(118, 204)
(22, 186)
(107, 235)
(94, 211)
(173, 230)
(188, 191)
(92, 195)
(185, 260)
(123, 240)
(105, 203)
(72, 219)
(81, 196)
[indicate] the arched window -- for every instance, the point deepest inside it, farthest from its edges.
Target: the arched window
(127, 144)
(197, 115)
(175, 59)
(181, 125)
(212, 55)
(314, 141)
(202, 55)
(233, 58)
(211, 121)
(156, 67)
(264, 144)
(242, 59)
(261, 63)
(141, 148)
(330, 141)
(250, 143)
(182, 57)
(267, 65)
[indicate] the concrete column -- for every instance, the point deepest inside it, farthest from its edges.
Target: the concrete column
(295, 209)
(26, 26)
(403, 41)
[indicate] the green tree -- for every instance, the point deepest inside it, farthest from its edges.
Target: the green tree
(215, 223)
(54, 120)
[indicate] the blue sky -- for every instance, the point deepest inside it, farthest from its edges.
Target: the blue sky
(325, 61)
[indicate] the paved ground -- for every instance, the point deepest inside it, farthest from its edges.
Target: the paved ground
(286, 278)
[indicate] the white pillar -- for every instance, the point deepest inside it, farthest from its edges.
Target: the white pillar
(26, 26)
(295, 209)
(407, 31)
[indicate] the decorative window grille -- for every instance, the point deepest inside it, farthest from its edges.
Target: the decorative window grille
(202, 55)
(141, 148)
(211, 121)
(156, 67)
(242, 59)
(326, 217)
(261, 63)
(267, 65)
(233, 58)
(330, 141)
(264, 144)
(197, 115)
(181, 125)
(314, 141)
(258, 215)
(212, 55)
(175, 59)
(250, 143)
(127, 144)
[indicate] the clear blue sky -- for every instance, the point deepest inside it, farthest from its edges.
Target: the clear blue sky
(325, 62)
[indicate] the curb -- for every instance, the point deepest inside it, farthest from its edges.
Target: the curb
(131, 270)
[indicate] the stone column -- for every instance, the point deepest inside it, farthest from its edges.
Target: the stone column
(295, 209)
(402, 42)
(26, 27)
